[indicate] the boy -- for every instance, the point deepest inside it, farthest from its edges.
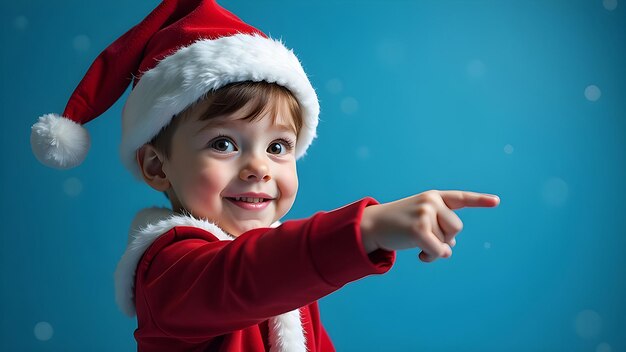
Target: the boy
(217, 117)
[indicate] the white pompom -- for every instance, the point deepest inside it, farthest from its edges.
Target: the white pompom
(59, 142)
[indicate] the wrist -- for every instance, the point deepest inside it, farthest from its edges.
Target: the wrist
(367, 230)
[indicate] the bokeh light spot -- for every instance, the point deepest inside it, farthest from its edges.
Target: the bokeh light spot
(43, 331)
(609, 4)
(476, 68)
(604, 347)
(81, 43)
(592, 93)
(20, 22)
(334, 86)
(349, 105)
(391, 53)
(72, 186)
(363, 152)
(555, 191)
(588, 324)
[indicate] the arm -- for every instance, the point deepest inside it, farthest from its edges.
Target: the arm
(195, 288)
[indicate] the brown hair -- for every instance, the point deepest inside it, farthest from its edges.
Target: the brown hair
(229, 99)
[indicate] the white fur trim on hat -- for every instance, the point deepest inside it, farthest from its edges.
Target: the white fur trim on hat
(180, 79)
(59, 142)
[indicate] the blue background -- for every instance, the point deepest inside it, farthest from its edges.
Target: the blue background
(524, 99)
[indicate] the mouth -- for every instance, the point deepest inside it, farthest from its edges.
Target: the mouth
(249, 203)
(249, 199)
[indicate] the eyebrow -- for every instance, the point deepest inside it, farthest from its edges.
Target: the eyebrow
(213, 123)
(209, 125)
(285, 128)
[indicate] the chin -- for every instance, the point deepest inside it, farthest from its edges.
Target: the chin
(242, 229)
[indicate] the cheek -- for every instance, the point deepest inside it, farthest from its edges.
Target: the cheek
(203, 186)
(289, 183)
(288, 186)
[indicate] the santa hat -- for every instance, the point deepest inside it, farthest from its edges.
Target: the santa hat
(179, 52)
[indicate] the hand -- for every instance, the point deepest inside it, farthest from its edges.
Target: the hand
(425, 220)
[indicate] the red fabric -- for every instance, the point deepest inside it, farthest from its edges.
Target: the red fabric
(190, 20)
(197, 293)
(170, 26)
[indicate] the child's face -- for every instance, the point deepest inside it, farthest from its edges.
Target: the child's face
(210, 167)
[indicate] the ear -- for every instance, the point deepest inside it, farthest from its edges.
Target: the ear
(151, 164)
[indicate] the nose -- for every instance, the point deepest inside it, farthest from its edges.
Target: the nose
(255, 169)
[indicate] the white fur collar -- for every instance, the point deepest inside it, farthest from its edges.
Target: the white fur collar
(286, 332)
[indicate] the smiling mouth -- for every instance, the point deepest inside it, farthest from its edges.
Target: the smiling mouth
(252, 204)
(248, 199)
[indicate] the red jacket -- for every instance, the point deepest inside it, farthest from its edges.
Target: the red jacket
(195, 292)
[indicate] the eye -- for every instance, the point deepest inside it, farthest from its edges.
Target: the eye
(276, 148)
(223, 145)
(280, 147)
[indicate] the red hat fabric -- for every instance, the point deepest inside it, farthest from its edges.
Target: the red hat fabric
(179, 52)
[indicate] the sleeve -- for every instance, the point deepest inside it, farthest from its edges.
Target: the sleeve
(199, 289)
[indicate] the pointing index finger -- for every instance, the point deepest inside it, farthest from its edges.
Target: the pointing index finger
(461, 199)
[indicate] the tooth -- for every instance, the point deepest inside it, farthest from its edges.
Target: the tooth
(249, 199)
